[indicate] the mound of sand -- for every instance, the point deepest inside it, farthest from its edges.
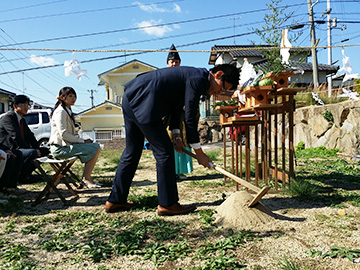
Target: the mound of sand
(235, 213)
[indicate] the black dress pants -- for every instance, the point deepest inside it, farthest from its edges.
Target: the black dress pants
(163, 151)
(13, 165)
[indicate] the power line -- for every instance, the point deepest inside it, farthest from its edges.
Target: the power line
(31, 6)
(150, 39)
(145, 27)
(139, 51)
(45, 73)
(83, 12)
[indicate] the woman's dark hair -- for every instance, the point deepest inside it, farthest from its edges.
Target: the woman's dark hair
(64, 92)
(231, 74)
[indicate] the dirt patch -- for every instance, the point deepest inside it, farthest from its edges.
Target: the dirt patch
(235, 213)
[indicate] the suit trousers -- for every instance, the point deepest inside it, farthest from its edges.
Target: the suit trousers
(10, 176)
(163, 151)
(28, 166)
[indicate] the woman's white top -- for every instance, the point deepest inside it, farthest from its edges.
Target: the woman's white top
(63, 128)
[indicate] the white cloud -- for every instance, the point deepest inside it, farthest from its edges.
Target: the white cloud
(158, 31)
(153, 8)
(42, 61)
(177, 8)
(150, 8)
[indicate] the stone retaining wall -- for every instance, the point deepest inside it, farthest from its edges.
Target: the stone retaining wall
(342, 132)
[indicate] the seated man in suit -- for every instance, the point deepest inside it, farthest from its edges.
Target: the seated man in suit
(147, 100)
(16, 135)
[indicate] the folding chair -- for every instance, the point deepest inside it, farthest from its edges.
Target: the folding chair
(62, 172)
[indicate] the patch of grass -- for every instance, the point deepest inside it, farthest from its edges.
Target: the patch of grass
(159, 253)
(316, 152)
(109, 154)
(26, 264)
(131, 241)
(108, 169)
(59, 245)
(322, 218)
(31, 229)
(328, 116)
(119, 221)
(341, 166)
(78, 221)
(207, 216)
(301, 188)
(214, 154)
(144, 202)
(223, 262)
(3, 242)
(115, 160)
(288, 264)
(127, 242)
(350, 197)
(10, 227)
(156, 228)
(69, 217)
(233, 240)
(300, 146)
(97, 250)
(15, 253)
(305, 99)
(336, 252)
(99, 231)
(206, 184)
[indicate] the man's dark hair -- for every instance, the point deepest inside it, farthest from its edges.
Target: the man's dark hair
(18, 99)
(231, 73)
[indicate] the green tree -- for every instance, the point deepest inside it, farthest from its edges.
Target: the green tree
(270, 34)
(357, 85)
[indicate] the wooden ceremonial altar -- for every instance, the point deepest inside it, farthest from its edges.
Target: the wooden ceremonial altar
(263, 120)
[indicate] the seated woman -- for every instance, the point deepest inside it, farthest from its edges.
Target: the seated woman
(63, 141)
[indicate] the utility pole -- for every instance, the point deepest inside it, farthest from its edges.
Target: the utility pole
(234, 19)
(23, 79)
(313, 44)
(329, 78)
(91, 91)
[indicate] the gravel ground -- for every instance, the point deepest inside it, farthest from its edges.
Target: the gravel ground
(296, 227)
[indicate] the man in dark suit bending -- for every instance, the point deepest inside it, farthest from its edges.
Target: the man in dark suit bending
(147, 100)
(15, 135)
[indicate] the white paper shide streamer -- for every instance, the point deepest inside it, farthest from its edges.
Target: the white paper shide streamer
(285, 47)
(72, 67)
(347, 68)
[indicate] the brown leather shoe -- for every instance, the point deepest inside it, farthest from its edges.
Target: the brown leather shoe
(116, 207)
(175, 209)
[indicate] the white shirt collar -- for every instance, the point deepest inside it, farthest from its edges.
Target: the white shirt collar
(18, 117)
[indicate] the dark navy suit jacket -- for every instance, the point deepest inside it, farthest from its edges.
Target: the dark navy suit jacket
(10, 136)
(165, 92)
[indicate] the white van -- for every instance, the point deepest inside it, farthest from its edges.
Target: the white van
(39, 123)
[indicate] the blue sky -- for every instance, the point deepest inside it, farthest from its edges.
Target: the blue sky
(193, 26)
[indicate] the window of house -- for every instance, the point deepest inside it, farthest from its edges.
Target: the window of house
(2, 107)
